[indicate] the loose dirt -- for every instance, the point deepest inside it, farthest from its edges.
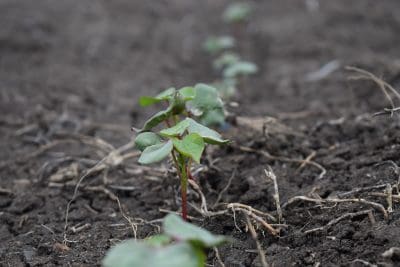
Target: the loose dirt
(72, 71)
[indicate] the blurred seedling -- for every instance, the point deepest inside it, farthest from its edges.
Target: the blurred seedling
(184, 138)
(225, 59)
(240, 69)
(237, 12)
(233, 70)
(180, 245)
(215, 45)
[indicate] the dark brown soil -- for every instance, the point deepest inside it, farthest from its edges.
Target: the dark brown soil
(71, 73)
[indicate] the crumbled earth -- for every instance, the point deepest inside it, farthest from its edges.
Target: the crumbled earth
(72, 71)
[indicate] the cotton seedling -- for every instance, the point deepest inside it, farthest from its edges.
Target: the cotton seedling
(233, 69)
(237, 13)
(215, 45)
(233, 66)
(180, 245)
(240, 68)
(225, 59)
(185, 136)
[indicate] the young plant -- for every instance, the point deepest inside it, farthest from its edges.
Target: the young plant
(180, 245)
(184, 139)
(240, 68)
(233, 69)
(214, 45)
(237, 13)
(225, 59)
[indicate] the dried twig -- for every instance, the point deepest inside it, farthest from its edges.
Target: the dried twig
(364, 262)
(392, 252)
(383, 86)
(243, 206)
(386, 111)
(335, 221)
(385, 195)
(270, 174)
(389, 198)
(114, 158)
(307, 160)
(248, 210)
(257, 218)
(255, 238)
(80, 228)
(360, 190)
(219, 260)
(336, 200)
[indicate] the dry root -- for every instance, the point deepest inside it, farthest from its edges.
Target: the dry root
(386, 88)
(114, 158)
(255, 214)
(337, 220)
(253, 234)
(375, 205)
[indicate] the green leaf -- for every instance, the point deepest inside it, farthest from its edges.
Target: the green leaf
(157, 119)
(207, 98)
(226, 88)
(158, 240)
(240, 68)
(133, 253)
(145, 101)
(176, 130)
(146, 139)
(225, 59)
(187, 93)
(176, 106)
(192, 146)
(237, 12)
(180, 230)
(213, 117)
(156, 153)
(210, 136)
(214, 45)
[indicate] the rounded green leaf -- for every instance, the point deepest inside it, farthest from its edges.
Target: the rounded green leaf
(146, 139)
(187, 93)
(210, 136)
(226, 88)
(176, 130)
(155, 153)
(237, 12)
(192, 146)
(145, 101)
(158, 240)
(213, 117)
(133, 253)
(175, 227)
(207, 98)
(214, 45)
(176, 106)
(157, 118)
(240, 68)
(225, 59)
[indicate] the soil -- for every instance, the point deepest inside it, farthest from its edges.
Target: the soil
(72, 71)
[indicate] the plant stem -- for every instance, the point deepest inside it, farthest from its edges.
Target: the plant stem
(184, 182)
(177, 166)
